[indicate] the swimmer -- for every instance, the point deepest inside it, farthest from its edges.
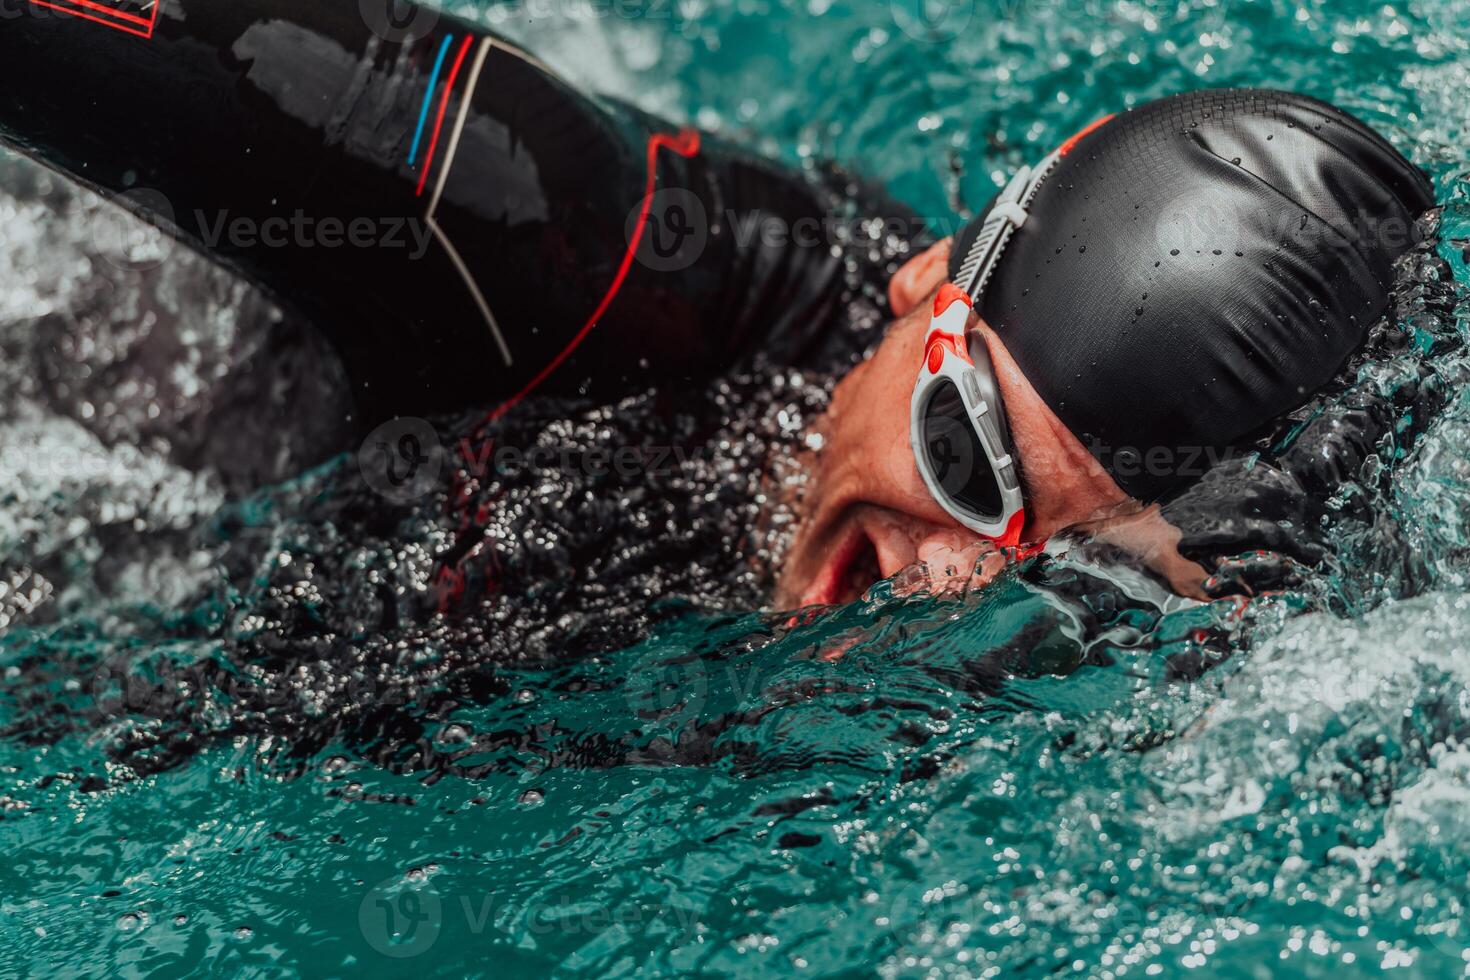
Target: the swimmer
(1169, 282)
(1139, 306)
(464, 225)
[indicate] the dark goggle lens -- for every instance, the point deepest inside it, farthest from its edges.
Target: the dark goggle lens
(956, 456)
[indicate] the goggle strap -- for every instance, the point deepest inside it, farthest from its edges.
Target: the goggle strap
(1007, 214)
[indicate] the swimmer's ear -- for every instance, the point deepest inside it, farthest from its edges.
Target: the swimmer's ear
(917, 278)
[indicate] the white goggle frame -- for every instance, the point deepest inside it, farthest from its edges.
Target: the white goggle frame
(951, 357)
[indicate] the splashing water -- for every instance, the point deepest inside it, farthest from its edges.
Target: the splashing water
(248, 728)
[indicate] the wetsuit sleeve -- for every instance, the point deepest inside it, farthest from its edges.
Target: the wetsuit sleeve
(465, 225)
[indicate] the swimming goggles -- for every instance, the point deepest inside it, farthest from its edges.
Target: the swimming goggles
(957, 424)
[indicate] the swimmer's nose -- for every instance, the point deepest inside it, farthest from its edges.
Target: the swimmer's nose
(917, 278)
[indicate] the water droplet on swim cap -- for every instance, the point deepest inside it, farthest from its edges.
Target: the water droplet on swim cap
(1331, 201)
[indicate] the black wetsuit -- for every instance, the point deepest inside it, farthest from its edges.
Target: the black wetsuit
(465, 226)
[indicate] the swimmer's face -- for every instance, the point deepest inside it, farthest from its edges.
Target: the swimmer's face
(867, 514)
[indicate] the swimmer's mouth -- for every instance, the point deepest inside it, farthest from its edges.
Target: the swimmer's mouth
(850, 570)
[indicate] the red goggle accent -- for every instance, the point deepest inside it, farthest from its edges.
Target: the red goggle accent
(937, 344)
(949, 293)
(1078, 136)
(939, 340)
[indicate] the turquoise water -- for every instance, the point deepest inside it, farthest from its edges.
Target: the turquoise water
(722, 797)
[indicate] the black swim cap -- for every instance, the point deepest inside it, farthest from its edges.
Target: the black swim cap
(1197, 267)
